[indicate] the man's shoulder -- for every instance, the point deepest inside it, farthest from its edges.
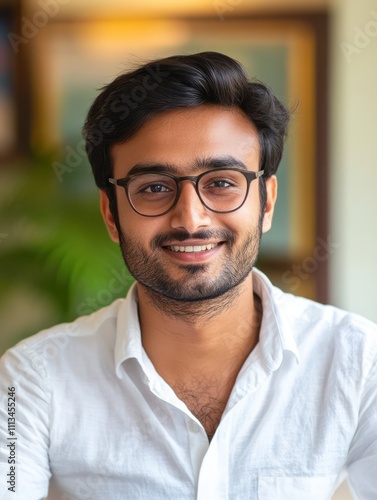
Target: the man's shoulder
(329, 314)
(302, 315)
(329, 324)
(92, 329)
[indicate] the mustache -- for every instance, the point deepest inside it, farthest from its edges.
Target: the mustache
(216, 234)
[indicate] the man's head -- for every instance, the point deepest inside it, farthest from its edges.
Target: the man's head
(182, 81)
(182, 117)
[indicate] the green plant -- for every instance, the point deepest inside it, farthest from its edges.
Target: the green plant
(56, 243)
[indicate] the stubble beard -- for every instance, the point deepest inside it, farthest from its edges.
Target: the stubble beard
(195, 294)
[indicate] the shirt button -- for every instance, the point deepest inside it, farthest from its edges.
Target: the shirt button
(193, 426)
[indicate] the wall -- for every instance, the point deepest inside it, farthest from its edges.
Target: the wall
(353, 174)
(353, 159)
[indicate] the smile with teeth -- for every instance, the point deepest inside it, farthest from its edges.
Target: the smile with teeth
(194, 248)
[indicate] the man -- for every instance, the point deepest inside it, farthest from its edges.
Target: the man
(206, 382)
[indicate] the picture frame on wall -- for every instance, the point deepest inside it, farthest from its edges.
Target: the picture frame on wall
(14, 86)
(284, 52)
(8, 112)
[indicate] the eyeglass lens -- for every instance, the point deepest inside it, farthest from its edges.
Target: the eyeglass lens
(154, 194)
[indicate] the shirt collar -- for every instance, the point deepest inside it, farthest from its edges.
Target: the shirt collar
(276, 335)
(128, 335)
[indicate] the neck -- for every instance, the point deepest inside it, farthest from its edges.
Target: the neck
(201, 338)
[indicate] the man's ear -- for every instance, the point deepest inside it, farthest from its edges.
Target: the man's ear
(108, 216)
(271, 192)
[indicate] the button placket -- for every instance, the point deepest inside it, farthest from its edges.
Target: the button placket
(198, 443)
(193, 427)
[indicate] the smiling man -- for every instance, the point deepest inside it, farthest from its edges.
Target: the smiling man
(206, 382)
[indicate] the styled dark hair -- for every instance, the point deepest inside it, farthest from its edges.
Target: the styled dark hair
(181, 81)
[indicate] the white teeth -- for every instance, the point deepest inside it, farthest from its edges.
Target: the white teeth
(195, 248)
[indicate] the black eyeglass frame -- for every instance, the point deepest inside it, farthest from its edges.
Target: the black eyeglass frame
(124, 182)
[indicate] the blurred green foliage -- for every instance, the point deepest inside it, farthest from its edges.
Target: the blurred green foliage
(54, 240)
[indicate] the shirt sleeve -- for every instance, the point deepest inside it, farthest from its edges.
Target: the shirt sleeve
(362, 457)
(24, 423)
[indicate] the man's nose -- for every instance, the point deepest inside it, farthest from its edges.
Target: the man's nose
(189, 213)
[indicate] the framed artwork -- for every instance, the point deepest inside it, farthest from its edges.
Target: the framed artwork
(8, 111)
(14, 87)
(72, 60)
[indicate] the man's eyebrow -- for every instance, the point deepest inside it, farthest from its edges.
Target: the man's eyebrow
(140, 168)
(218, 162)
(198, 164)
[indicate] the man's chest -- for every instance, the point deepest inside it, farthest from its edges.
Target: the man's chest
(255, 442)
(206, 406)
(206, 398)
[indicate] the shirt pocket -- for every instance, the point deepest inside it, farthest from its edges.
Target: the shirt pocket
(296, 488)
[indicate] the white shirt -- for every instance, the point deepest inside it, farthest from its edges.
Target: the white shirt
(95, 420)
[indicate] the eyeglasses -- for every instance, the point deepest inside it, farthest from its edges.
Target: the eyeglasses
(221, 190)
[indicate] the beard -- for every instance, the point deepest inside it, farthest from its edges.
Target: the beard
(194, 283)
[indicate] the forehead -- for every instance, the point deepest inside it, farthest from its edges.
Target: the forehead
(185, 136)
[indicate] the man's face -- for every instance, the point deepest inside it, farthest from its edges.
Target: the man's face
(188, 142)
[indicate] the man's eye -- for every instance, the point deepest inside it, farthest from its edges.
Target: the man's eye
(219, 183)
(156, 188)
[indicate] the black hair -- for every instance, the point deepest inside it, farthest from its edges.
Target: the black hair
(181, 81)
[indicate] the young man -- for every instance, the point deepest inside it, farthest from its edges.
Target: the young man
(206, 382)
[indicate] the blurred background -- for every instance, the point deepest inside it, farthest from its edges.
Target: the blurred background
(319, 56)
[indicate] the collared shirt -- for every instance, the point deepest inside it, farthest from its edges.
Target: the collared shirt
(94, 420)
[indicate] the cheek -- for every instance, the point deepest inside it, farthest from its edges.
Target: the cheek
(140, 229)
(242, 222)
(248, 215)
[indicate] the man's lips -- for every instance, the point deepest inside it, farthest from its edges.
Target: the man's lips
(191, 248)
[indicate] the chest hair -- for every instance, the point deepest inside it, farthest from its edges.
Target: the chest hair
(206, 399)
